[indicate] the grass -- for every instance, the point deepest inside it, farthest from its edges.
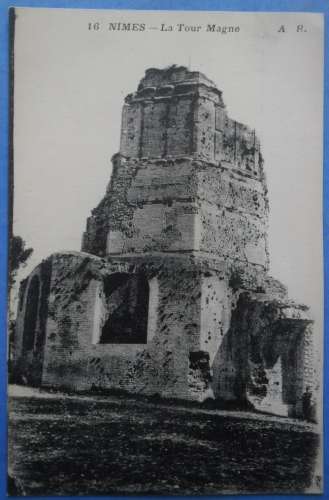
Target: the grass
(61, 445)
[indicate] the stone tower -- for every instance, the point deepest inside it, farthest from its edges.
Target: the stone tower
(171, 293)
(187, 180)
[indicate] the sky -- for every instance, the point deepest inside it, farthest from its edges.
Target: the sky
(70, 83)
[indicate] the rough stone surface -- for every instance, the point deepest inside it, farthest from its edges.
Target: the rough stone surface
(171, 293)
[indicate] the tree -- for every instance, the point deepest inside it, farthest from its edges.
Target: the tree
(18, 256)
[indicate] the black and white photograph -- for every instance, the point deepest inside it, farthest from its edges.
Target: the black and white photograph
(165, 323)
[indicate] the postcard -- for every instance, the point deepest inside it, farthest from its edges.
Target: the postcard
(166, 268)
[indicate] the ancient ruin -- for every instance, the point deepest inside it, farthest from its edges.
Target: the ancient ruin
(171, 294)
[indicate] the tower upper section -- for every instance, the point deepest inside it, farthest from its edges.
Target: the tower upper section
(176, 112)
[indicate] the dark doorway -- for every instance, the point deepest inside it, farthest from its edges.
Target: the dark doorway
(31, 315)
(34, 328)
(127, 298)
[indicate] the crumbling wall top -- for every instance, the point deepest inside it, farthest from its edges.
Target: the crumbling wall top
(172, 75)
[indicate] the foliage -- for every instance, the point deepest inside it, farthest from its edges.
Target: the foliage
(18, 256)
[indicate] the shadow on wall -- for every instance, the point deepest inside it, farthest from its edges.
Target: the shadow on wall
(127, 298)
(32, 342)
(261, 360)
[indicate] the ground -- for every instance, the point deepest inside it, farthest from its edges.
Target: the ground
(105, 445)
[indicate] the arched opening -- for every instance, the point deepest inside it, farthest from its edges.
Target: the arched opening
(31, 315)
(127, 299)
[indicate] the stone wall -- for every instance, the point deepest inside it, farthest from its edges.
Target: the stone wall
(181, 205)
(203, 339)
(74, 358)
(31, 325)
(180, 113)
(273, 332)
